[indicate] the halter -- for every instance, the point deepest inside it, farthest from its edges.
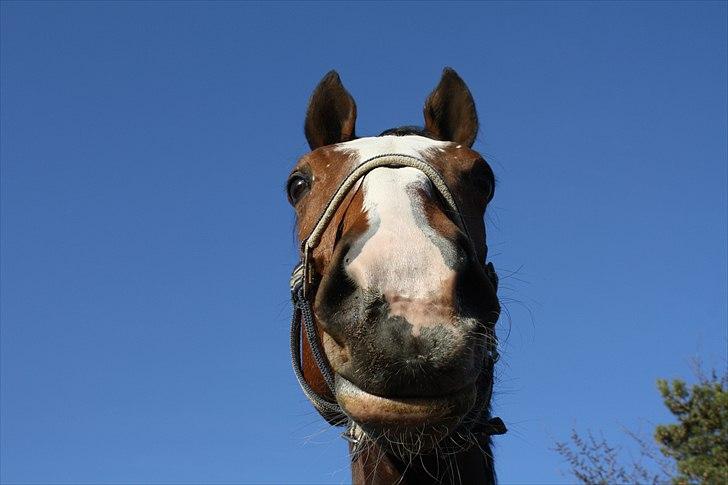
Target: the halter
(302, 279)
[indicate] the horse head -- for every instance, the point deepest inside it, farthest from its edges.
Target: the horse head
(400, 298)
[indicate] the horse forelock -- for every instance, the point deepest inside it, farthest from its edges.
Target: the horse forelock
(407, 130)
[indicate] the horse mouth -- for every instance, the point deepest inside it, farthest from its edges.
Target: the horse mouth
(374, 412)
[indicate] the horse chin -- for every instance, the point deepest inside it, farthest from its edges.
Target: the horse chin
(425, 421)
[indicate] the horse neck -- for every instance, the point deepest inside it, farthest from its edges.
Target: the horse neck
(373, 466)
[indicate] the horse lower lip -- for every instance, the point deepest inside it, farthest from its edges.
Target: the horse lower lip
(367, 408)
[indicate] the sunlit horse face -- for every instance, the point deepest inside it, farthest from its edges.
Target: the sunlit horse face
(404, 305)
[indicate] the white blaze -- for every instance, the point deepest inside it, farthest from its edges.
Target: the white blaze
(400, 260)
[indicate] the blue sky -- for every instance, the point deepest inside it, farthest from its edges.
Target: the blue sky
(147, 241)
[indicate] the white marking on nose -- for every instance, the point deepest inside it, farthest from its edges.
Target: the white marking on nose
(400, 260)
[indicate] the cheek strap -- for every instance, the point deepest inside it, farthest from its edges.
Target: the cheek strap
(303, 317)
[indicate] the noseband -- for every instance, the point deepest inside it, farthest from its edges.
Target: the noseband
(303, 277)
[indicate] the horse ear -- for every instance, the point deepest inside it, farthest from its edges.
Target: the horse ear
(331, 114)
(450, 110)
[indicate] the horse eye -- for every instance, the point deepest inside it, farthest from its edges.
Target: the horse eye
(297, 187)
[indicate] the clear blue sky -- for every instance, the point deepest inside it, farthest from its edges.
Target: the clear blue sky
(147, 241)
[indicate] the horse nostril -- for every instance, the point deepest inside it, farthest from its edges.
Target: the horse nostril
(463, 259)
(465, 254)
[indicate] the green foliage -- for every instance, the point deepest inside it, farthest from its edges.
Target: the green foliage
(693, 450)
(698, 442)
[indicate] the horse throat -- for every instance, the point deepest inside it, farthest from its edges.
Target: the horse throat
(374, 466)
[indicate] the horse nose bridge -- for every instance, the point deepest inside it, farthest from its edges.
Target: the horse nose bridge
(402, 252)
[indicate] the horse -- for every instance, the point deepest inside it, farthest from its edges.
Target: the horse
(394, 302)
